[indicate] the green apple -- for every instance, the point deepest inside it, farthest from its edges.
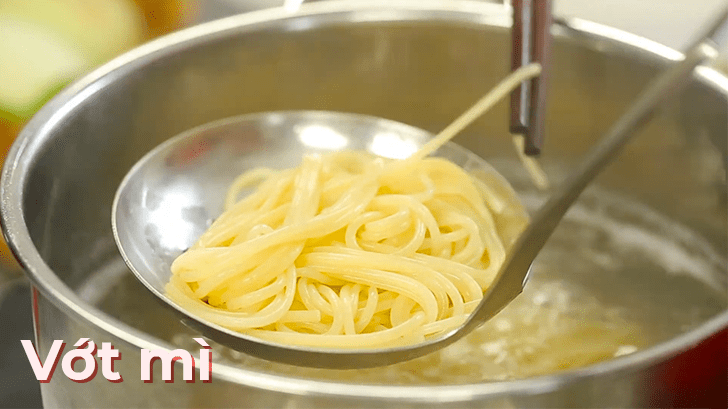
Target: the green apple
(44, 44)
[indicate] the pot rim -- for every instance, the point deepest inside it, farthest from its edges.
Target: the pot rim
(37, 133)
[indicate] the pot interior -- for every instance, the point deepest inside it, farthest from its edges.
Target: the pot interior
(640, 259)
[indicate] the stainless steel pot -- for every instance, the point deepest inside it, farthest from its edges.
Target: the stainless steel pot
(416, 62)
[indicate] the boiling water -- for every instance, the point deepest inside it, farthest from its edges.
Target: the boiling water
(616, 277)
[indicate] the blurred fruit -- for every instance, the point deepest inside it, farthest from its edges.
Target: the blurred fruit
(98, 29)
(45, 44)
(8, 130)
(39, 63)
(163, 16)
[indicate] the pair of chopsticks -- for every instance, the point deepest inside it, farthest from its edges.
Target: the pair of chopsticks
(530, 42)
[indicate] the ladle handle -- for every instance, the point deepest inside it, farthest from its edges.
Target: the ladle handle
(511, 278)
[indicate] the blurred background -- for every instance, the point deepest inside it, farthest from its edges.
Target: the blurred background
(45, 44)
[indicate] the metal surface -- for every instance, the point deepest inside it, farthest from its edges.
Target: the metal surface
(417, 63)
(172, 195)
(531, 42)
(513, 275)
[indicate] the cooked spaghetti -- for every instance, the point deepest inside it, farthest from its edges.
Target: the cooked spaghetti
(353, 251)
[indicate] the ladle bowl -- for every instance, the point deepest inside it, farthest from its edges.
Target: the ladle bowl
(173, 194)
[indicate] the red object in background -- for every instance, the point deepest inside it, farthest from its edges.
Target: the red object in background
(696, 379)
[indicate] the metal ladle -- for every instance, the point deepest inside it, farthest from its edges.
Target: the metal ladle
(169, 197)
